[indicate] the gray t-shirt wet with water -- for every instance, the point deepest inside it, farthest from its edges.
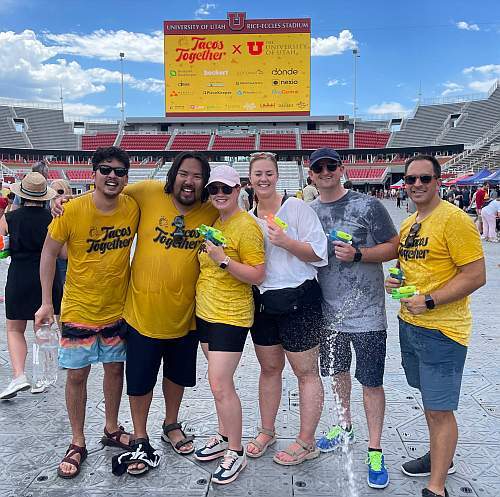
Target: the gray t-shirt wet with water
(353, 292)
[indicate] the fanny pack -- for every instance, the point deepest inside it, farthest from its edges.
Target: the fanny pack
(285, 300)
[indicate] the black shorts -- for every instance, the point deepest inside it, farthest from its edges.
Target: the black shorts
(298, 330)
(221, 337)
(335, 355)
(144, 356)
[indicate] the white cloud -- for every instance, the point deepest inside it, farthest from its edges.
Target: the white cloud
(336, 82)
(481, 86)
(451, 88)
(204, 9)
(388, 108)
(333, 45)
(34, 74)
(107, 45)
(486, 69)
(83, 110)
(467, 26)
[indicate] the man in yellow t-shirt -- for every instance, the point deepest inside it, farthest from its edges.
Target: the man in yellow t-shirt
(160, 303)
(440, 253)
(98, 229)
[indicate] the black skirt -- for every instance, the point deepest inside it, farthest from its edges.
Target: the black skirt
(23, 291)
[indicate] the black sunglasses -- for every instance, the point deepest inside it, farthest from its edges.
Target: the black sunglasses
(331, 166)
(215, 189)
(178, 224)
(410, 239)
(60, 192)
(425, 179)
(105, 170)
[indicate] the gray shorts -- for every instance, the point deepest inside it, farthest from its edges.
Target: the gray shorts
(434, 364)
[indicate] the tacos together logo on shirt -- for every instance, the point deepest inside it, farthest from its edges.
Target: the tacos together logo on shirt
(416, 251)
(108, 238)
(174, 235)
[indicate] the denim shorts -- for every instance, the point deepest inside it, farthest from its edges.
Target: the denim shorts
(80, 346)
(434, 364)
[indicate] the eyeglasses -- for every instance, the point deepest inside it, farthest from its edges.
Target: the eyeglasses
(178, 224)
(106, 170)
(331, 166)
(425, 179)
(410, 239)
(215, 189)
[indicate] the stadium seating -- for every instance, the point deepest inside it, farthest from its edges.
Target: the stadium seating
(234, 142)
(91, 142)
(368, 174)
(55, 174)
(190, 142)
(278, 141)
(371, 139)
(314, 140)
(79, 174)
(144, 141)
(9, 137)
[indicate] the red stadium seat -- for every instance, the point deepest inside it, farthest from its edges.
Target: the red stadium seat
(277, 141)
(91, 142)
(79, 174)
(371, 139)
(190, 142)
(238, 142)
(312, 141)
(144, 142)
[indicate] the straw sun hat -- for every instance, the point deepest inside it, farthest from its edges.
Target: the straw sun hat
(33, 187)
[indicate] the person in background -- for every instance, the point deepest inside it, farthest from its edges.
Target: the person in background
(38, 167)
(27, 229)
(489, 215)
(243, 199)
(348, 185)
(310, 191)
(4, 202)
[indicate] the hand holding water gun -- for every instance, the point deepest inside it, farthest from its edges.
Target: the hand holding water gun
(404, 292)
(340, 236)
(344, 249)
(212, 234)
(396, 273)
(271, 218)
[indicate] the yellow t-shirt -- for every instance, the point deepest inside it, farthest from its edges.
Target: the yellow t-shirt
(447, 240)
(161, 295)
(99, 246)
(220, 297)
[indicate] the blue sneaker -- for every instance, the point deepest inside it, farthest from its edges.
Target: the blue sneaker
(378, 477)
(335, 438)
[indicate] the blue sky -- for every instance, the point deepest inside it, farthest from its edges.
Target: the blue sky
(448, 47)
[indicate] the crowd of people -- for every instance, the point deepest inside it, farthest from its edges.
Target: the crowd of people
(275, 269)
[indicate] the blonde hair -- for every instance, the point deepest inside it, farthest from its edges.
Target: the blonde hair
(263, 156)
(61, 184)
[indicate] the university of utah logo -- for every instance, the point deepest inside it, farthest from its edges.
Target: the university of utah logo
(236, 20)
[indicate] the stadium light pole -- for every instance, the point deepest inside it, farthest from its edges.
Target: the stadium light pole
(122, 55)
(354, 103)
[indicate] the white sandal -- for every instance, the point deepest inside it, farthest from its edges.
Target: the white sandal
(262, 447)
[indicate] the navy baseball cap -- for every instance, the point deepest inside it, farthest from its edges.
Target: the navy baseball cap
(324, 153)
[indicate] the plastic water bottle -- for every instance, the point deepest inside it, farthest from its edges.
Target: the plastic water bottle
(45, 353)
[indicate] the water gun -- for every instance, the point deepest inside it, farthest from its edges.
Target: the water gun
(404, 292)
(276, 220)
(396, 273)
(212, 234)
(340, 236)
(4, 246)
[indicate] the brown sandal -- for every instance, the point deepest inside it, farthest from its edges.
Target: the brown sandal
(72, 451)
(181, 443)
(304, 453)
(113, 439)
(262, 447)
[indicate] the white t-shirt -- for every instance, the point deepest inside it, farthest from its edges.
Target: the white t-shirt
(492, 208)
(284, 270)
(243, 201)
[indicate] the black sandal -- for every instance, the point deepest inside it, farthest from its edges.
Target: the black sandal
(140, 452)
(181, 443)
(72, 451)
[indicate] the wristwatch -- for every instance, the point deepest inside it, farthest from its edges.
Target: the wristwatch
(225, 262)
(429, 302)
(358, 255)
